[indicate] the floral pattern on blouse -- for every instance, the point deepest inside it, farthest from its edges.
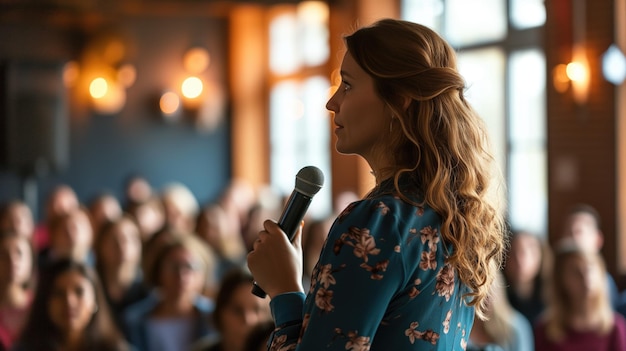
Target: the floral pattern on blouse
(381, 283)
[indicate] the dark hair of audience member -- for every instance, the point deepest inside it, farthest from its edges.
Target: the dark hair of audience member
(40, 332)
(588, 209)
(258, 336)
(231, 281)
(102, 237)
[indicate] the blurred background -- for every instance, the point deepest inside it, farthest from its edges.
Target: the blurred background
(205, 93)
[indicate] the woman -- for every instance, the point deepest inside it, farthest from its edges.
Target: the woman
(506, 327)
(237, 312)
(177, 314)
(118, 263)
(579, 315)
(406, 267)
(213, 226)
(70, 313)
(16, 284)
(71, 237)
(527, 263)
(16, 216)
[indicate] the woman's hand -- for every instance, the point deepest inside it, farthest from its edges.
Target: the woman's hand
(275, 263)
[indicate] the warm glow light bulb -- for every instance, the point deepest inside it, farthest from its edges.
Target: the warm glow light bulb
(196, 60)
(192, 87)
(169, 103)
(576, 71)
(98, 88)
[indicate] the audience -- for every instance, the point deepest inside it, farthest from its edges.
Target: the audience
(17, 217)
(70, 313)
(71, 236)
(137, 190)
(237, 312)
(150, 216)
(102, 209)
(181, 207)
(170, 276)
(579, 315)
(60, 201)
(582, 225)
(259, 336)
(506, 327)
(524, 271)
(118, 263)
(177, 314)
(213, 226)
(16, 284)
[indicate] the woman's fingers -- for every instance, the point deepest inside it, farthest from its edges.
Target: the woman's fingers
(275, 263)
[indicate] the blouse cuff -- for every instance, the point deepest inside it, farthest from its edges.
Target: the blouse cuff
(287, 308)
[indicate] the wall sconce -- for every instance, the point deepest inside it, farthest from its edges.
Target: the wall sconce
(169, 104)
(576, 72)
(575, 75)
(108, 97)
(614, 65)
(195, 99)
(101, 77)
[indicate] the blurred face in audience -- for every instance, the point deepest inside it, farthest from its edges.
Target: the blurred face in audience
(19, 218)
(582, 227)
(151, 217)
(121, 244)
(181, 274)
(524, 258)
(581, 279)
(16, 260)
(72, 302)
(62, 201)
(73, 237)
(105, 209)
(243, 311)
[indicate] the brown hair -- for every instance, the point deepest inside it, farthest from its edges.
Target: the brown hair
(441, 144)
(558, 310)
(40, 333)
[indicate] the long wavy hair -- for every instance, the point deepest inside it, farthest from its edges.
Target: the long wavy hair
(439, 142)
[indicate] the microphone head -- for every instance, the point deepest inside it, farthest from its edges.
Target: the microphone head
(309, 180)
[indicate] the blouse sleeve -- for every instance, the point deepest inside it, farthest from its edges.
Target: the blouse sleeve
(366, 263)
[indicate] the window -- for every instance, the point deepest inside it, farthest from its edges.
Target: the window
(499, 54)
(299, 122)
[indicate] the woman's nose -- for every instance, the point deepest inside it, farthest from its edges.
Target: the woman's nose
(332, 104)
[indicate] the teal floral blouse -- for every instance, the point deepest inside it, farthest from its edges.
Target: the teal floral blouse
(381, 283)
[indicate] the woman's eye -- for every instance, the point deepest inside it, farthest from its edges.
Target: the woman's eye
(346, 86)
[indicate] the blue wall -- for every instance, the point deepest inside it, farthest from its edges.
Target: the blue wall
(106, 149)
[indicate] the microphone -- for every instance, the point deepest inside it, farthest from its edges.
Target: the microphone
(309, 181)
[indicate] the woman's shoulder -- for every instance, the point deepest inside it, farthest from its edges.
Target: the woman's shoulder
(390, 206)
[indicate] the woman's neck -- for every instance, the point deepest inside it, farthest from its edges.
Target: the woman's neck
(181, 307)
(524, 290)
(583, 317)
(74, 341)
(122, 275)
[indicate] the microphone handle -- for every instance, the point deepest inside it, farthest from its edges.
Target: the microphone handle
(289, 221)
